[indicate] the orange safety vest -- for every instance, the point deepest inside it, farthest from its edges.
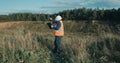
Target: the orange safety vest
(60, 31)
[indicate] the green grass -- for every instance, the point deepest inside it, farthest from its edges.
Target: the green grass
(32, 42)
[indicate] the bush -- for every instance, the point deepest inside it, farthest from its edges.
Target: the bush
(105, 50)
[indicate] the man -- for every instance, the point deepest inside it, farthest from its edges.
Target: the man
(58, 33)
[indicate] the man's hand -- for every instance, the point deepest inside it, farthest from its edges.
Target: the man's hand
(50, 19)
(52, 26)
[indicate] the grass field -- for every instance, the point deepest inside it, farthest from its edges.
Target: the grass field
(84, 42)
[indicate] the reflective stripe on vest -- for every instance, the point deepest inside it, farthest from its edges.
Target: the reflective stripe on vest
(60, 31)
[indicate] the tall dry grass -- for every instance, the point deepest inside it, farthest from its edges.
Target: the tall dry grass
(32, 42)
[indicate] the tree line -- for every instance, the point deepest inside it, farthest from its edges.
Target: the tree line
(74, 14)
(25, 17)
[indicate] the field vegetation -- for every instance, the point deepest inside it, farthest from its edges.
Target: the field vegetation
(84, 42)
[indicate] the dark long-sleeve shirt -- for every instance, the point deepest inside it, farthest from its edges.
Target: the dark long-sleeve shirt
(58, 24)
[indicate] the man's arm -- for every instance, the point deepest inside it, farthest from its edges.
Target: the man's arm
(54, 21)
(58, 26)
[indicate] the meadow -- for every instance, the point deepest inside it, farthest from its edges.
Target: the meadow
(84, 42)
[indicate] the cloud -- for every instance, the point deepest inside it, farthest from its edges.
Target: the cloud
(60, 5)
(55, 6)
(9, 11)
(114, 2)
(106, 4)
(88, 3)
(74, 3)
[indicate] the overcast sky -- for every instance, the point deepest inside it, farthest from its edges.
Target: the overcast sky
(53, 6)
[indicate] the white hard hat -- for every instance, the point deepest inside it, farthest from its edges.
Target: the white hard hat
(58, 18)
